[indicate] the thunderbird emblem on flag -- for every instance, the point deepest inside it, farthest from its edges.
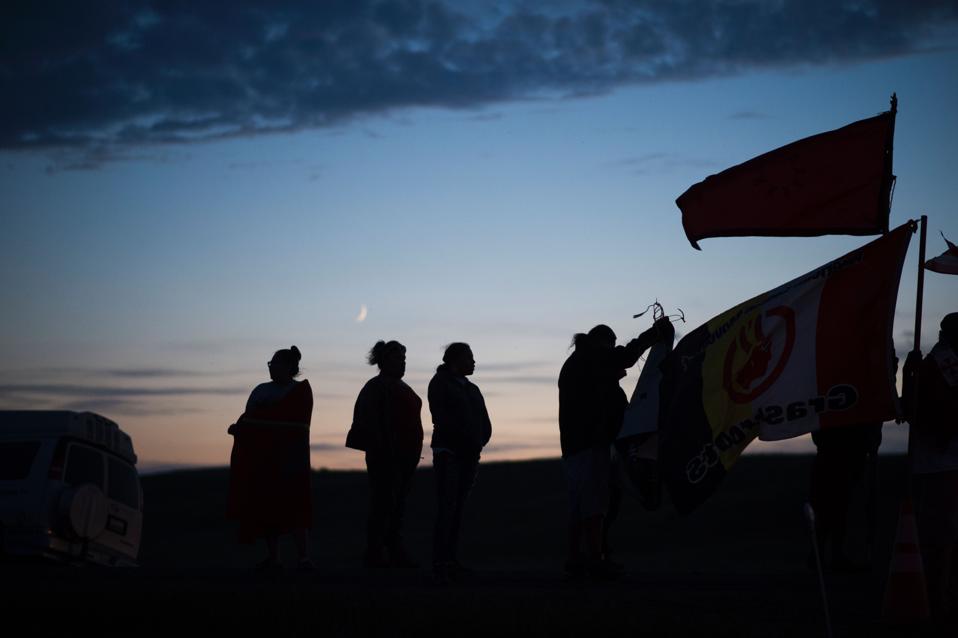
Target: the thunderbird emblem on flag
(813, 353)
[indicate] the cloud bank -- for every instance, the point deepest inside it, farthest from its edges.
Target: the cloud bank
(102, 78)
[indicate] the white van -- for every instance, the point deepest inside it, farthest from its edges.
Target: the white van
(69, 488)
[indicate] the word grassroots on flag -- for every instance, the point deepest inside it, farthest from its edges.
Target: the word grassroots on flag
(814, 353)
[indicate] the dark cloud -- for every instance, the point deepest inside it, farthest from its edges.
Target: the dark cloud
(101, 78)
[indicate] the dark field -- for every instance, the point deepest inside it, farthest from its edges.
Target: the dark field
(734, 567)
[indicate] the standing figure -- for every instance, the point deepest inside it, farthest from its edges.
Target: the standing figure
(269, 491)
(591, 408)
(388, 428)
(461, 428)
(842, 457)
(934, 454)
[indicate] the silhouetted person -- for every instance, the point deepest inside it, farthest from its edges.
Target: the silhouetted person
(461, 428)
(934, 451)
(842, 456)
(591, 409)
(388, 427)
(269, 491)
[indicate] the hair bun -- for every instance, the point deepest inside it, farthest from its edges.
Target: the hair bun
(295, 352)
(375, 355)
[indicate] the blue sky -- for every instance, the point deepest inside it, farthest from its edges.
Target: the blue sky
(149, 276)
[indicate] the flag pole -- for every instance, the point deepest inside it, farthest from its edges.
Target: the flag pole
(888, 181)
(919, 295)
(921, 281)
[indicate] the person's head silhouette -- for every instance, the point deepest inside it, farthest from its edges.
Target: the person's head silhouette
(458, 359)
(390, 356)
(284, 365)
(949, 330)
(602, 336)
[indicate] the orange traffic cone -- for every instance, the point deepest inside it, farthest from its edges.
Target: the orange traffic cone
(906, 597)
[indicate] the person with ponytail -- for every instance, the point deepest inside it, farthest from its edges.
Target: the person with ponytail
(387, 426)
(269, 491)
(591, 407)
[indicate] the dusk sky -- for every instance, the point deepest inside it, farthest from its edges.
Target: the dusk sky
(187, 187)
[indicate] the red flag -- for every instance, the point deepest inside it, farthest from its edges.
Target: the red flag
(947, 262)
(834, 183)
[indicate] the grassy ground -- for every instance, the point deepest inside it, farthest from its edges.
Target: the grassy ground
(735, 567)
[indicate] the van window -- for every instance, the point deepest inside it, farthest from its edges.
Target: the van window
(124, 486)
(16, 458)
(84, 465)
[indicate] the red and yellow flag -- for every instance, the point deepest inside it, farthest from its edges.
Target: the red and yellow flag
(813, 353)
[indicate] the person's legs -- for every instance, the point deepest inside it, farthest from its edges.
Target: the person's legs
(446, 473)
(594, 506)
(377, 471)
(588, 475)
(829, 500)
(573, 487)
(467, 470)
(615, 504)
(592, 530)
(845, 477)
(272, 549)
(938, 533)
(301, 538)
(574, 557)
(404, 471)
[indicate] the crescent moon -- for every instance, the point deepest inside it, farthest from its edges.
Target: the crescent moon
(361, 317)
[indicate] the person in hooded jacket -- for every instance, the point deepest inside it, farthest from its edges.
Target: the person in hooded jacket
(461, 428)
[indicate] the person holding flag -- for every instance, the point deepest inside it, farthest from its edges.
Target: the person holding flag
(932, 408)
(591, 408)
